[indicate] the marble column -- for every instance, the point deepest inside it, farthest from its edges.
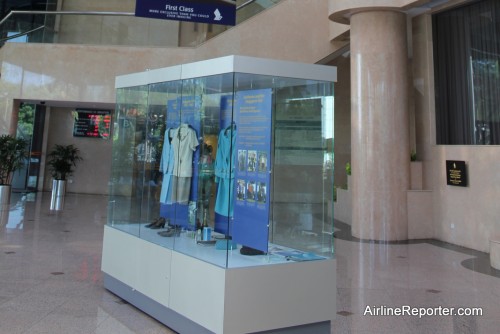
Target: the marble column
(380, 154)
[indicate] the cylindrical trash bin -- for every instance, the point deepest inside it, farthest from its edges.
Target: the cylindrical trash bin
(495, 252)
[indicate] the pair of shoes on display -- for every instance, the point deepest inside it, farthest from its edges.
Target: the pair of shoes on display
(152, 223)
(170, 232)
(157, 224)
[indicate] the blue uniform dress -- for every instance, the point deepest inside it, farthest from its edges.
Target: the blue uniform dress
(224, 172)
(167, 168)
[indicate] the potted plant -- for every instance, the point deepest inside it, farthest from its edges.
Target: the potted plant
(61, 162)
(12, 156)
(348, 168)
(413, 155)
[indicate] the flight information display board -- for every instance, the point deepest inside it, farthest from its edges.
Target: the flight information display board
(92, 123)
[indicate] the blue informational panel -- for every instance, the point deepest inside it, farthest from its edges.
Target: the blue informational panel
(226, 110)
(252, 184)
(204, 11)
(173, 113)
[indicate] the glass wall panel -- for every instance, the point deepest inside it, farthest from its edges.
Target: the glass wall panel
(284, 174)
(303, 166)
(127, 173)
(205, 110)
(154, 165)
(467, 74)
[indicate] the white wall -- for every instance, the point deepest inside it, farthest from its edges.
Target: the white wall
(468, 216)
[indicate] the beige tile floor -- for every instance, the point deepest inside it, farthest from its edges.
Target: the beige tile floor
(50, 278)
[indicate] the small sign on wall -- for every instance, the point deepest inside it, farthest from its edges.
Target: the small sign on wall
(456, 173)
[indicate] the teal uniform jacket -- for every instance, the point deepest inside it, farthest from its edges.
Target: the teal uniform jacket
(224, 172)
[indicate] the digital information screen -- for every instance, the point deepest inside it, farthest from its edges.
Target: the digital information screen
(92, 123)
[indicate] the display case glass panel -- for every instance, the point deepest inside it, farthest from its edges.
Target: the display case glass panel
(235, 169)
(126, 182)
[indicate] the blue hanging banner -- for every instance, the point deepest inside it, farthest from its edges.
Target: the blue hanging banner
(204, 11)
(252, 168)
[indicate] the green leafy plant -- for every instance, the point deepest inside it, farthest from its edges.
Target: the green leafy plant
(12, 156)
(413, 155)
(348, 168)
(62, 160)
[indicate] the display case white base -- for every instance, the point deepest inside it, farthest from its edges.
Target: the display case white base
(158, 311)
(193, 296)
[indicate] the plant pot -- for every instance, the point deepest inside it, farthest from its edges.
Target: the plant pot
(4, 216)
(4, 196)
(58, 192)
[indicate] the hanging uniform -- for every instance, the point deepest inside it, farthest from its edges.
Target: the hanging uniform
(167, 167)
(184, 143)
(224, 172)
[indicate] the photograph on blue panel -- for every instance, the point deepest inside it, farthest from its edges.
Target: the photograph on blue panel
(261, 192)
(252, 160)
(242, 158)
(251, 191)
(240, 190)
(262, 161)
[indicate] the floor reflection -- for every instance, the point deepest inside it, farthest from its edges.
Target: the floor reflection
(12, 215)
(51, 280)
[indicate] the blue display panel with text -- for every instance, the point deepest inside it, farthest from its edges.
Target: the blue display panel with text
(204, 11)
(252, 168)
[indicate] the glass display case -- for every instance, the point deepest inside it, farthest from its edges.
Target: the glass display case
(230, 162)
(221, 181)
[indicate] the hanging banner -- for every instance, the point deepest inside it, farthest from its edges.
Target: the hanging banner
(204, 11)
(252, 168)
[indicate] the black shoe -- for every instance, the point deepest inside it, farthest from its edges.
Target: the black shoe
(152, 223)
(245, 250)
(169, 233)
(159, 224)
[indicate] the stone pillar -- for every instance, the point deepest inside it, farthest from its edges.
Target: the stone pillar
(380, 156)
